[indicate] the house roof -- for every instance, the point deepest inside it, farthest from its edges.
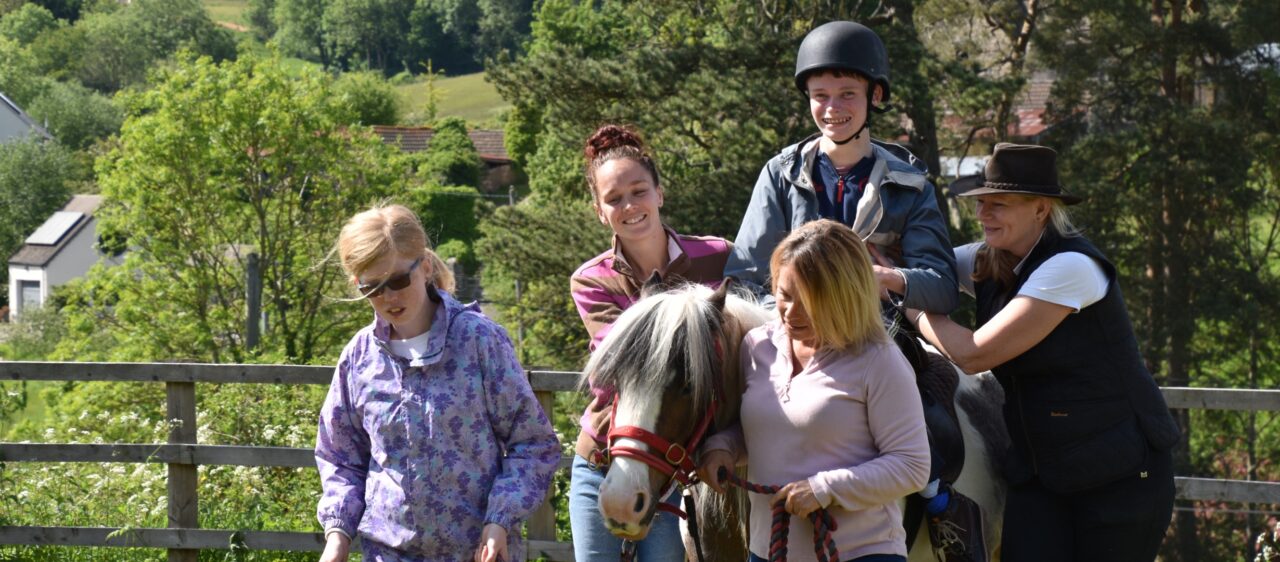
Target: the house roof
(40, 255)
(1030, 107)
(488, 142)
(7, 104)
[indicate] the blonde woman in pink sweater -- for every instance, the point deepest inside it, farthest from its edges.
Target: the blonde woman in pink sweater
(831, 411)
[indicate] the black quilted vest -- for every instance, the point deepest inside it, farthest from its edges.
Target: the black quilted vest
(1081, 407)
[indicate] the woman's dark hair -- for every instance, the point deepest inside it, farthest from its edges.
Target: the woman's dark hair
(611, 142)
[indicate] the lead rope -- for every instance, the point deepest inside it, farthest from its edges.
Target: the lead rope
(824, 525)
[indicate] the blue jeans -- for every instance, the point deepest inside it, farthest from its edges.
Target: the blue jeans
(867, 558)
(593, 542)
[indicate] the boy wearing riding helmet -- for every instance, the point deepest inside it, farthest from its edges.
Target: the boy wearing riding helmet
(879, 190)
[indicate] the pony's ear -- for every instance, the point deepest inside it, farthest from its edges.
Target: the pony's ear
(722, 293)
(653, 285)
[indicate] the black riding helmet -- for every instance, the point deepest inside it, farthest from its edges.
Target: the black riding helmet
(844, 45)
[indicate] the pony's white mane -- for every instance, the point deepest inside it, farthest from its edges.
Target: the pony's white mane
(646, 348)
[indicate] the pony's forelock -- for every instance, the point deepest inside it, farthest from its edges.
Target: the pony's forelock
(646, 346)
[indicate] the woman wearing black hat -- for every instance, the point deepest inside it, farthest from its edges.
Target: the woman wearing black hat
(1090, 471)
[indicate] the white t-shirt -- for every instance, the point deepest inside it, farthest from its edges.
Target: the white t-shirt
(1070, 278)
(413, 348)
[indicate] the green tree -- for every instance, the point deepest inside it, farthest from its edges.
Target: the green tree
(19, 80)
(536, 245)
(259, 15)
(298, 33)
(459, 21)
(450, 216)
(371, 96)
(34, 182)
(68, 10)
(218, 161)
(26, 23)
(58, 54)
(368, 33)
(165, 26)
(120, 44)
(113, 55)
(503, 26)
(451, 158)
(76, 115)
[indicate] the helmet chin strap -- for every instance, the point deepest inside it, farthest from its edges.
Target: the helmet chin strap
(855, 135)
(858, 133)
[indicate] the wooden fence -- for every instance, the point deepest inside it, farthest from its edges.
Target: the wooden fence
(183, 454)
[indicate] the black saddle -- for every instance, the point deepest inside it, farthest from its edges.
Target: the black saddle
(937, 380)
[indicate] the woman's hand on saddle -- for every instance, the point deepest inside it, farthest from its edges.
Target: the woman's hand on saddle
(336, 548)
(493, 544)
(797, 498)
(712, 462)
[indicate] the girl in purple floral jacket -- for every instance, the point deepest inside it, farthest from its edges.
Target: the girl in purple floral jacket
(431, 444)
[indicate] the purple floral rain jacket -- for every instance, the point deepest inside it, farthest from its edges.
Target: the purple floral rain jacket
(417, 458)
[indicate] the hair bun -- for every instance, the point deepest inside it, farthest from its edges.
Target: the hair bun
(609, 137)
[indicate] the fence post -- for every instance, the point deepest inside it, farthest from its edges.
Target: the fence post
(253, 303)
(542, 524)
(183, 511)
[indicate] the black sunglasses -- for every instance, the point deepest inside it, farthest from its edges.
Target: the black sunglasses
(371, 290)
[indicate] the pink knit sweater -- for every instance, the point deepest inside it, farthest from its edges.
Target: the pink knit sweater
(850, 423)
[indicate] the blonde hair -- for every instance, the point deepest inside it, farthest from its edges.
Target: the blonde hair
(383, 229)
(834, 282)
(991, 263)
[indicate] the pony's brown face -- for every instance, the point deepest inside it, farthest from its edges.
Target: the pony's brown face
(665, 386)
(632, 490)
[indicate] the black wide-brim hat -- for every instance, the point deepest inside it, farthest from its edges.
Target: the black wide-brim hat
(1027, 169)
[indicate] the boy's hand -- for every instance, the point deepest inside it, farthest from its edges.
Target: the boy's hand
(888, 276)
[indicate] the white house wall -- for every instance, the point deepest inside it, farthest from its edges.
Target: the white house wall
(24, 273)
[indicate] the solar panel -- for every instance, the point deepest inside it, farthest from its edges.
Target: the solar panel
(55, 228)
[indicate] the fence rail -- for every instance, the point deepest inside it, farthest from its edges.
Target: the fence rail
(182, 454)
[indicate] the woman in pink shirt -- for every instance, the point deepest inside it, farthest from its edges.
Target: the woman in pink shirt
(627, 197)
(831, 411)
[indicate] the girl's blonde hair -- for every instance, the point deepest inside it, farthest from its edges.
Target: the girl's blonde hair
(990, 263)
(372, 234)
(835, 282)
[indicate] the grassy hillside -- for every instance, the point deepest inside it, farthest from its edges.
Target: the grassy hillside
(467, 96)
(228, 11)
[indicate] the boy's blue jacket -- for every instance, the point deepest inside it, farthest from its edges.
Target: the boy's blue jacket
(897, 212)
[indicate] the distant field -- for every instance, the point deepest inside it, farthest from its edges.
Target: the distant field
(467, 96)
(230, 11)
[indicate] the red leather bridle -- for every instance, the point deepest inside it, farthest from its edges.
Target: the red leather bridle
(674, 459)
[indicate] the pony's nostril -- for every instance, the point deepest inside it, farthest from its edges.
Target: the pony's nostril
(639, 502)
